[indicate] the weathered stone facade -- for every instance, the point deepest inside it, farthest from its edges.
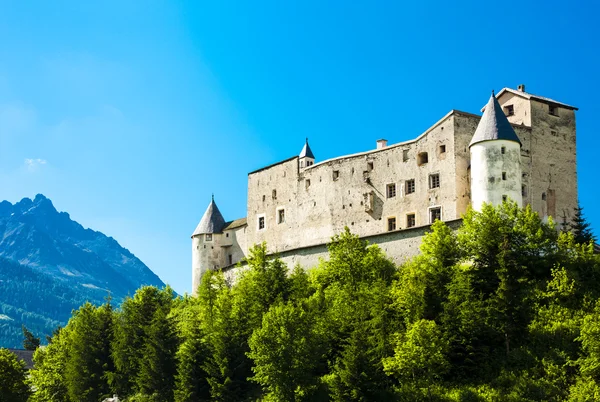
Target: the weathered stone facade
(391, 194)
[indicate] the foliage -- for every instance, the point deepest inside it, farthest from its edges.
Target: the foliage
(13, 387)
(581, 228)
(506, 308)
(30, 342)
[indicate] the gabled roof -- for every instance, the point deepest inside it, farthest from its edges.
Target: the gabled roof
(527, 95)
(494, 125)
(235, 224)
(212, 221)
(306, 151)
(24, 355)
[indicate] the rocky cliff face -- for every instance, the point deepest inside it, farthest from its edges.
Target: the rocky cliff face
(47, 258)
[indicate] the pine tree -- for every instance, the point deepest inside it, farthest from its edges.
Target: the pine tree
(581, 228)
(30, 342)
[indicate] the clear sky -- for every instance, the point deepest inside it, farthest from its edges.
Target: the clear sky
(129, 114)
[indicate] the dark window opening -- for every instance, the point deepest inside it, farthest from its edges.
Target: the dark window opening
(442, 149)
(422, 158)
(230, 259)
(503, 150)
(524, 191)
(553, 110)
(543, 196)
(391, 224)
(410, 186)
(281, 216)
(410, 221)
(404, 155)
(391, 190)
(307, 183)
(509, 110)
(274, 194)
(336, 174)
(261, 223)
(503, 175)
(504, 198)
(435, 214)
(369, 166)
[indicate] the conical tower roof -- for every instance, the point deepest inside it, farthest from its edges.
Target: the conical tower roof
(494, 125)
(212, 221)
(306, 151)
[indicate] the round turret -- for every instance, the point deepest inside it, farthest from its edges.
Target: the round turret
(206, 251)
(495, 159)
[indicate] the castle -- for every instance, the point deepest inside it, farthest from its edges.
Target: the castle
(522, 148)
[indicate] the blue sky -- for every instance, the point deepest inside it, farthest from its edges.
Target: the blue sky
(129, 114)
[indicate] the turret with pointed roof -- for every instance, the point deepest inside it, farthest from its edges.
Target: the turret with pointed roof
(306, 157)
(212, 221)
(495, 152)
(494, 125)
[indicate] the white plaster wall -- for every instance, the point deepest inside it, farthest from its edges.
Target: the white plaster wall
(487, 165)
(205, 255)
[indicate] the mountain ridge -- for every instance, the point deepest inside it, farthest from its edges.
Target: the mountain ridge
(53, 251)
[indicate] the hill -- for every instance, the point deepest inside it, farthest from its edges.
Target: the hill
(50, 265)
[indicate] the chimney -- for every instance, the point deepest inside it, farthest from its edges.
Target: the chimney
(521, 87)
(381, 144)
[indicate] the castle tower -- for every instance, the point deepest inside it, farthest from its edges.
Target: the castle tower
(206, 250)
(306, 156)
(495, 159)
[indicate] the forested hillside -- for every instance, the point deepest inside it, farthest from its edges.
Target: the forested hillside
(50, 265)
(504, 310)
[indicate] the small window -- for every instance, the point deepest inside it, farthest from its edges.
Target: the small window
(435, 214)
(503, 175)
(274, 194)
(336, 174)
(302, 163)
(208, 237)
(434, 180)
(404, 155)
(226, 234)
(524, 191)
(411, 221)
(261, 222)
(442, 149)
(281, 216)
(554, 133)
(509, 110)
(391, 190)
(369, 166)
(503, 150)
(422, 158)
(410, 186)
(543, 196)
(307, 183)
(553, 110)
(309, 163)
(504, 198)
(391, 224)
(264, 198)
(230, 259)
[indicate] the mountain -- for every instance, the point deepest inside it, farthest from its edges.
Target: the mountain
(50, 264)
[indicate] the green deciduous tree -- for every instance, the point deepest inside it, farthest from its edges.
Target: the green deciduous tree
(13, 387)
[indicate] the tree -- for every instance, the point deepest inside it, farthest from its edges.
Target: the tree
(13, 374)
(47, 378)
(285, 351)
(581, 228)
(30, 342)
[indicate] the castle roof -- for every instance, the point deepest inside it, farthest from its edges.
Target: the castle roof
(235, 224)
(494, 125)
(306, 151)
(527, 95)
(212, 221)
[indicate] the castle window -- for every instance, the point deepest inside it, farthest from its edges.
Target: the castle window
(543, 196)
(226, 234)
(280, 215)
(391, 224)
(274, 194)
(524, 191)
(509, 110)
(410, 186)
(307, 183)
(261, 222)
(410, 220)
(434, 180)
(404, 155)
(264, 198)
(435, 214)
(503, 175)
(301, 164)
(208, 237)
(442, 149)
(504, 198)
(553, 110)
(336, 174)
(422, 158)
(230, 259)
(369, 166)
(503, 150)
(391, 190)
